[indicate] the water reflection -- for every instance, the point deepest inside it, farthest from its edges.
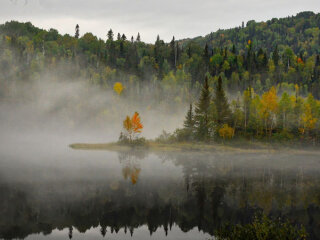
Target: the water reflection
(133, 190)
(131, 164)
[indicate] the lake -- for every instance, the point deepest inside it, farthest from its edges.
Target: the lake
(49, 191)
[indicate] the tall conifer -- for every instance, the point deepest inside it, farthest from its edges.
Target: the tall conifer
(77, 33)
(202, 113)
(223, 112)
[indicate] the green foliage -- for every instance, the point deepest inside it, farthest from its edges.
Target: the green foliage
(202, 117)
(262, 228)
(124, 140)
(223, 113)
(280, 51)
(188, 131)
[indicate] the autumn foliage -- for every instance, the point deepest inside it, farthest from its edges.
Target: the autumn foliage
(226, 131)
(118, 88)
(279, 116)
(132, 126)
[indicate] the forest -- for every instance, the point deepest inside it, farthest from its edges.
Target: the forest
(258, 80)
(209, 137)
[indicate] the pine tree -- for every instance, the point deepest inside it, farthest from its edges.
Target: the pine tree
(202, 113)
(173, 53)
(110, 35)
(138, 38)
(188, 125)
(77, 34)
(275, 56)
(123, 37)
(189, 121)
(206, 57)
(223, 112)
(233, 49)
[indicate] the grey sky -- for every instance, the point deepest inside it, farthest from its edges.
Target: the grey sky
(181, 18)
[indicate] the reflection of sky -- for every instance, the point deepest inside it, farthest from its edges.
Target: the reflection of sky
(140, 233)
(182, 18)
(51, 174)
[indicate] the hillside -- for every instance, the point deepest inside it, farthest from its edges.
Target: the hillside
(280, 52)
(300, 32)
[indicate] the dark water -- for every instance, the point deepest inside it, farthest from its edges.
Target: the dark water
(53, 192)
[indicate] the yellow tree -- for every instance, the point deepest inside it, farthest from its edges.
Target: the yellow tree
(269, 108)
(308, 120)
(118, 88)
(226, 132)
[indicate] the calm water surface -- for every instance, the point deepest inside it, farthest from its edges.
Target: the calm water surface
(49, 191)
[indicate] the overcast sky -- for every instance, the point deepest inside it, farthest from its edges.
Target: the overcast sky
(181, 18)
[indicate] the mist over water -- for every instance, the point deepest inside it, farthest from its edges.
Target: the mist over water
(50, 191)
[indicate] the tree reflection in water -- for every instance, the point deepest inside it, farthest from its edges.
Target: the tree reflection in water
(205, 191)
(131, 164)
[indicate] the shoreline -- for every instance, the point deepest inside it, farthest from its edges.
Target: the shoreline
(198, 147)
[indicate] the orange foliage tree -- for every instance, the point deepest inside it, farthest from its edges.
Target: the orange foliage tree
(133, 126)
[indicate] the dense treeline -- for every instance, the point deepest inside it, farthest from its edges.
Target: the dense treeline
(279, 52)
(300, 32)
(284, 117)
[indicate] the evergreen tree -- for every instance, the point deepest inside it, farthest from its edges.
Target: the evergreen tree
(173, 53)
(275, 56)
(118, 37)
(189, 121)
(233, 49)
(123, 37)
(201, 117)
(206, 57)
(223, 112)
(138, 39)
(188, 130)
(77, 34)
(121, 49)
(110, 35)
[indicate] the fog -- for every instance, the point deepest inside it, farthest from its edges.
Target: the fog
(48, 189)
(55, 110)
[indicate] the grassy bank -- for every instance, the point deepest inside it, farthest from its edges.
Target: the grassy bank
(153, 146)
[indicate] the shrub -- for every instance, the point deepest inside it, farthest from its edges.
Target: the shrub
(124, 140)
(226, 131)
(262, 228)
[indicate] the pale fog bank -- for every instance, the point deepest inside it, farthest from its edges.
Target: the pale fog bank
(60, 112)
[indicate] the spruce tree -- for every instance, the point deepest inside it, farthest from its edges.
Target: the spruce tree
(188, 125)
(110, 35)
(173, 53)
(233, 49)
(189, 121)
(138, 38)
(275, 56)
(206, 56)
(202, 113)
(223, 113)
(77, 34)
